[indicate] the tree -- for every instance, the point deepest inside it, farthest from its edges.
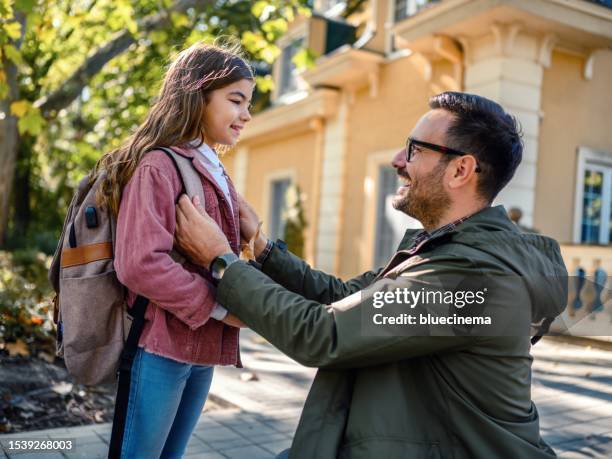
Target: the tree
(62, 106)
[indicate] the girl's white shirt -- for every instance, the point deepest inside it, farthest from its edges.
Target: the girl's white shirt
(211, 162)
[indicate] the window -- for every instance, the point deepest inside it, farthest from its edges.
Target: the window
(596, 209)
(594, 198)
(607, 3)
(406, 8)
(333, 8)
(278, 207)
(288, 70)
(390, 223)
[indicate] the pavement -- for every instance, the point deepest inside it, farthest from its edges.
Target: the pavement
(572, 388)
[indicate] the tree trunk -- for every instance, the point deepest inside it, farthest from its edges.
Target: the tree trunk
(9, 142)
(22, 211)
(8, 154)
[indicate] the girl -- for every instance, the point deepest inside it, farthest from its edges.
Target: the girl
(203, 103)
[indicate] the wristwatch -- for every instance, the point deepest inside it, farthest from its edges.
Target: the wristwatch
(220, 264)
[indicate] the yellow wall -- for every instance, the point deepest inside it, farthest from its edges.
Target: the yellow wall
(577, 113)
(295, 154)
(317, 35)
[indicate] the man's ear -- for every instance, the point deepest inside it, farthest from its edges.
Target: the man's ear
(464, 170)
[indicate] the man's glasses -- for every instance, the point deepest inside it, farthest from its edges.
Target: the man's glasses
(412, 143)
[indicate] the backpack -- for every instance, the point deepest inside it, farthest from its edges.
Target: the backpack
(90, 309)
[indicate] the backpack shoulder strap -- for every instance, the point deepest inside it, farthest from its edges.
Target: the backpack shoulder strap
(192, 184)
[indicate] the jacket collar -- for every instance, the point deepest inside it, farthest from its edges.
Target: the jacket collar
(489, 218)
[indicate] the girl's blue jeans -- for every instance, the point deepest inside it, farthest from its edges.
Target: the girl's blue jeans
(165, 403)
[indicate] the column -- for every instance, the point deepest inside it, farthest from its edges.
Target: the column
(507, 66)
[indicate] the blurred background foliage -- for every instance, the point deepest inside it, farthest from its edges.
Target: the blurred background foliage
(25, 303)
(76, 78)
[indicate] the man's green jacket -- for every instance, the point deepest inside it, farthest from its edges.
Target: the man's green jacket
(400, 395)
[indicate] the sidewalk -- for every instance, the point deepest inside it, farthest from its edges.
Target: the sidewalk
(572, 389)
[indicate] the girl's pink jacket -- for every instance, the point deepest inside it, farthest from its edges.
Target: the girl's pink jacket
(182, 297)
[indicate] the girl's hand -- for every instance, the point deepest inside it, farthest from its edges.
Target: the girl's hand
(250, 227)
(232, 320)
(249, 221)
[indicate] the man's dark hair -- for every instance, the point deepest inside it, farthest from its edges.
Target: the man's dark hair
(482, 128)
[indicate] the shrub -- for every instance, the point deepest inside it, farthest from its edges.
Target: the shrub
(26, 310)
(295, 221)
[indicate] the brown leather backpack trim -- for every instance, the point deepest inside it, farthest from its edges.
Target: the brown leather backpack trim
(87, 254)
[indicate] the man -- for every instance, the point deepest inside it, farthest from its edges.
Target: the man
(414, 393)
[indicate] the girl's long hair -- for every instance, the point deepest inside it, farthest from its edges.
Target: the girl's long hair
(176, 118)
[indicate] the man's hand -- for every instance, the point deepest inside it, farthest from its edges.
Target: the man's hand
(197, 235)
(250, 226)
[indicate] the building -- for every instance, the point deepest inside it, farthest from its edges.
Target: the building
(333, 128)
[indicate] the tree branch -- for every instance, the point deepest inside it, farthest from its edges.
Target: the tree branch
(70, 89)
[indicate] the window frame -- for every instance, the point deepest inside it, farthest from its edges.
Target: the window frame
(285, 174)
(299, 30)
(287, 81)
(410, 8)
(380, 214)
(333, 8)
(371, 189)
(601, 161)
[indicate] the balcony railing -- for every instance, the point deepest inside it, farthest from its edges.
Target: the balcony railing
(589, 306)
(406, 8)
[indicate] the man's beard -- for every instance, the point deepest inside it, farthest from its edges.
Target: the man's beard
(426, 200)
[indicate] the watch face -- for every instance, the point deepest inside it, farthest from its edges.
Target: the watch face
(221, 263)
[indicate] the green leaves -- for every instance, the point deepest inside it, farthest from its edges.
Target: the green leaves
(304, 59)
(20, 108)
(264, 83)
(122, 17)
(31, 123)
(30, 120)
(259, 47)
(179, 19)
(6, 9)
(12, 54)
(25, 6)
(13, 30)
(274, 28)
(3, 86)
